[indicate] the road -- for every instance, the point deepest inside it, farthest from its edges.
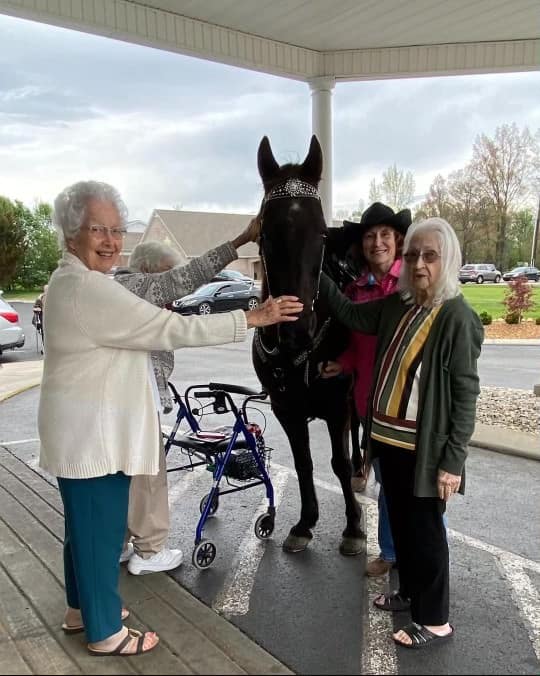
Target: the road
(313, 610)
(499, 365)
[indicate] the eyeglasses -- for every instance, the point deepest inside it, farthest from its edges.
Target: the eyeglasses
(429, 256)
(100, 231)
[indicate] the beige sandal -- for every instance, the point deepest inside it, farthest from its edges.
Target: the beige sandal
(139, 649)
(79, 628)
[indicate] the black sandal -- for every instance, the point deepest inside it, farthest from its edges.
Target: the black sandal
(421, 636)
(393, 602)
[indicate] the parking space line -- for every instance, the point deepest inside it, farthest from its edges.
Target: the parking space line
(18, 441)
(235, 595)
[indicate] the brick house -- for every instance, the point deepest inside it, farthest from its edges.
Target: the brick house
(192, 233)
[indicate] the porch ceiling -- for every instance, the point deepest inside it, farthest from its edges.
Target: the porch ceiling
(303, 39)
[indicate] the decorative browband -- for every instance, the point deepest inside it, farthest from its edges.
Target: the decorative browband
(293, 187)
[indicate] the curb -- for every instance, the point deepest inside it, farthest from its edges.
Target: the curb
(512, 341)
(505, 450)
(23, 388)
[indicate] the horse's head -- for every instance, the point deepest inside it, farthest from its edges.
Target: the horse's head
(293, 236)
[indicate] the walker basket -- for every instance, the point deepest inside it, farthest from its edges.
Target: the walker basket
(242, 466)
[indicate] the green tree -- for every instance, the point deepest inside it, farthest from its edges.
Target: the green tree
(42, 250)
(520, 234)
(12, 242)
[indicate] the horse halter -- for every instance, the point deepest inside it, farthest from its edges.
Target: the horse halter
(292, 187)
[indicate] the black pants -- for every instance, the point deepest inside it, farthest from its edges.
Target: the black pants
(419, 537)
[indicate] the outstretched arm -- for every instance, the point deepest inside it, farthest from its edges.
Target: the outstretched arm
(362, 317)
(161, 288)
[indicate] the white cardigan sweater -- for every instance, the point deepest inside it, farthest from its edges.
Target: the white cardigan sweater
(97, 413)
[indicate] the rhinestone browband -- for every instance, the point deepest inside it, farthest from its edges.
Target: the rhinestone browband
(293, 187)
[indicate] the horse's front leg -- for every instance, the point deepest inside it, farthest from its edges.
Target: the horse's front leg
(353, 540)
(297, 432)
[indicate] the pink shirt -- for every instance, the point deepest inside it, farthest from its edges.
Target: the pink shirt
(359, 357)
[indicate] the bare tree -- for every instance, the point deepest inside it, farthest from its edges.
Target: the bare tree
(396, 188)
(467, 209)
(504, 169)
(437, 202)
(375, 192)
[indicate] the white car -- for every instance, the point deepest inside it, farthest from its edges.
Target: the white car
(11, 334)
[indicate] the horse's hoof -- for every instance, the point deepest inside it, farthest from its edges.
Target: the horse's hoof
(352, 546)
(358, 484)
(296, 543)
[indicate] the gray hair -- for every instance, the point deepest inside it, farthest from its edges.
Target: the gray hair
(70, 206)
(448, 284)
(150, 257)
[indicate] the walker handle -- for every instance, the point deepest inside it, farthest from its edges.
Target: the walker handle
(233, 389)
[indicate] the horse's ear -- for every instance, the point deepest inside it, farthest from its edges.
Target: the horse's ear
(268, 167)
(313, 164)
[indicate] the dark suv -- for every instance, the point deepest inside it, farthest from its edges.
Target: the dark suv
(479, 273)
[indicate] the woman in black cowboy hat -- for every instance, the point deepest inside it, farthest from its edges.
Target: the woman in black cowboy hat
(378, 240)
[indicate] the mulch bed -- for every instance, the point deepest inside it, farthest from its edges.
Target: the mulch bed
(511, 331)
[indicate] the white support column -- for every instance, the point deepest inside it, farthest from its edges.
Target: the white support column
(321, 122)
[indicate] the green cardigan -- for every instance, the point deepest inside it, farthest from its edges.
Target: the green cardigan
(449, 383)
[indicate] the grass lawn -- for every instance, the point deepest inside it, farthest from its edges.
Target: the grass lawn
(27, 294)
(489, 298)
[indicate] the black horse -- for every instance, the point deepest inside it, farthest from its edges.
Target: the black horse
(295, 245)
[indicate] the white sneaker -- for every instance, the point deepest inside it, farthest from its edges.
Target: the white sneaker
(127, 553)
(166, 559)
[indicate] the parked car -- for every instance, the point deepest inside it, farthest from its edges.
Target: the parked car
(219, 297)
(11, 334)
(231, 276)
(479, 273)
(532, 274)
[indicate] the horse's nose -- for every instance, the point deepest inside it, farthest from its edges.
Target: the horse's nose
(295, 337)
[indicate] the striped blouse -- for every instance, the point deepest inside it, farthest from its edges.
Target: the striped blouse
(395, 399)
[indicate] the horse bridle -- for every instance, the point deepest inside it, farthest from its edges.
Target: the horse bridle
(292, 187)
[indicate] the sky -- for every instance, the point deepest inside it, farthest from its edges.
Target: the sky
(171, 131)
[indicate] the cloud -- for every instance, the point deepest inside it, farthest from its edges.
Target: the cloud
(167, 129)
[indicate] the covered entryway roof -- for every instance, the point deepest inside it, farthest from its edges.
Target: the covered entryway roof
(317, 41)
(345, 39)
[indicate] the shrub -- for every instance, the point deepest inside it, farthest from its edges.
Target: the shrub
(485, 318)
(518, 299)
(512, 318)
(538, 321)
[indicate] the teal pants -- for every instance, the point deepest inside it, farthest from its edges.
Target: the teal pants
(95, 514)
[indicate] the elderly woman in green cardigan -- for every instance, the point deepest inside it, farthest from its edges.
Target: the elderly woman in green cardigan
(421, 415)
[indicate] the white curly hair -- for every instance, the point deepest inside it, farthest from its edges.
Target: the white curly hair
(70, 206)
(152, 256)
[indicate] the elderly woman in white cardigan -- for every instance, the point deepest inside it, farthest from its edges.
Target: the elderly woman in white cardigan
(98, 420)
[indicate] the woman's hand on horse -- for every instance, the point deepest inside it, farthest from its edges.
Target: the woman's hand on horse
(274, 311)
(330, 369)
(250, 234)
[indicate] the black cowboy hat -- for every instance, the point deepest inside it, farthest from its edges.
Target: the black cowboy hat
(379, 214)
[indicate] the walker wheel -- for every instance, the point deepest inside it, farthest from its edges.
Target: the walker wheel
(204, 554)
(264, 526)
(213, 507)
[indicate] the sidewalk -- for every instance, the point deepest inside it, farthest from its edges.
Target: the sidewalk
(194, 638)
